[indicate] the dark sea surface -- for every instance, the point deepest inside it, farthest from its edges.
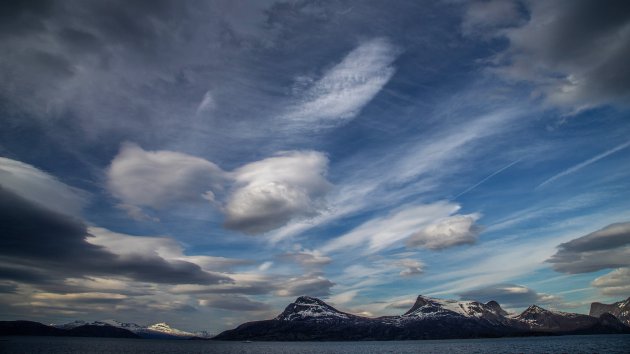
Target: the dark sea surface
(564, 344)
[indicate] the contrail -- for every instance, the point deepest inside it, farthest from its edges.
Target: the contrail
(584, 164)
(485, 179)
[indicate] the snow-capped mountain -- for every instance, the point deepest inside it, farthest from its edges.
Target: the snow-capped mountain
(309, 308)
(309, 318)
(158, 330)
(539, 319)
(430, 307)
(620, 309)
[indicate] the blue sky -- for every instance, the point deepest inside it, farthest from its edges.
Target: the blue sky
(204, 163)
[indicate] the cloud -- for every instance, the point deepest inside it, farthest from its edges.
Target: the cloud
(410, 267)
(343, 90)
(40, 187)
(166, 248)
(602, 249)
(447, 232)
(89, 298)
(483, 16)
(344, 297)
(269, 193)
(207, 104)
(160, 178)
(40, 245)
(264, 194)
(234, 303)
(306, 258)
(509, 295)
(575, 54)
(407, 221)
(403, 304)
(409, 169)
(312, 284)
(584, 164)
(615, 283)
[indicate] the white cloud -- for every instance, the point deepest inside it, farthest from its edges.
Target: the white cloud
(207, 103)
(410, 267)
(414, 168)
(264, 194)
(265, 266)
(344, 297)
(270, 192)
(382, 232)
(158, 178)
(40, 187)
(615, 283)
(344, 89)
(447, 232)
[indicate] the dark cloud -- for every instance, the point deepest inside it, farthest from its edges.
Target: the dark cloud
(602, 249)
(234, 303)
(508, 295)
(575, 53)
(312, 284)
(38, 244)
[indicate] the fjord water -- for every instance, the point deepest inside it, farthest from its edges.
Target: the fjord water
(560, 344)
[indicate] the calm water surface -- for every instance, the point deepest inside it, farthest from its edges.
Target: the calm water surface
(565, 344)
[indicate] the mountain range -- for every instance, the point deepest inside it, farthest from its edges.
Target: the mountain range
(106, 328)
(310, 318)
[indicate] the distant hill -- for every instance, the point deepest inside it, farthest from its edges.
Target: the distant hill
(29, 328)
(155, 331)
(310, 318)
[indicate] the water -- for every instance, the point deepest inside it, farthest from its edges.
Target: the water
(564, 344)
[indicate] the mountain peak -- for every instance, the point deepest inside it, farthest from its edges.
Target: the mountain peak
(535, 308)
(306, 307)
(496, 308)
(421, 301)
(307, 300)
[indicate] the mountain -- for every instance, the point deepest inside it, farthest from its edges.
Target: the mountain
(99, 331)
(155, 331)
(29, 328)
(309, 318)
(538, 319)
(620, 309)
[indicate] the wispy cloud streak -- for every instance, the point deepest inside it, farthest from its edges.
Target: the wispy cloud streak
(584, 164)
(487, 178)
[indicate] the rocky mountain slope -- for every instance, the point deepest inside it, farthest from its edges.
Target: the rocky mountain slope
(620, 309)
(309, 318)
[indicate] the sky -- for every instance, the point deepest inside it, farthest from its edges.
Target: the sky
(203, 163)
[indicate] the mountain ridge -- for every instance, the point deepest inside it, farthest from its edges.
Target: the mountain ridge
(309, 318)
